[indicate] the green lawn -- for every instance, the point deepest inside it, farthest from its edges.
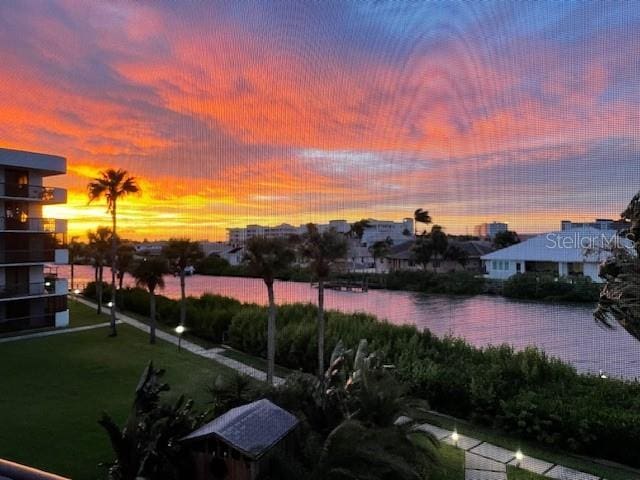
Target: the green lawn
(81, 315)
(54, 389)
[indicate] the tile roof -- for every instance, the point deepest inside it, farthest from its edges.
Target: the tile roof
(252, 429)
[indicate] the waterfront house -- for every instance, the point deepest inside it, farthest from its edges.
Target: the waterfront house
(31, 296)
(234, 445)
(400, 257)
(570, 253)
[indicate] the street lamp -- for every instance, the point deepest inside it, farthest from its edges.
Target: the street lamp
(180, 330)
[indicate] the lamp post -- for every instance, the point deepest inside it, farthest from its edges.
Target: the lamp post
(519, 458)
(455, 437)
(180, 330)
(76, 295)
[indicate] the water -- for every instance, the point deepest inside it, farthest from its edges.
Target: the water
(567, 332)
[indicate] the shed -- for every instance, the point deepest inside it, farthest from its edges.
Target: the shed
(233, 445)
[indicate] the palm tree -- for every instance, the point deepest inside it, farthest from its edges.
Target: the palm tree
(358, 228)
(76, 250)
(620, 297)
(420, 216)
(124, 261)
(380, 249)
(149, 273)
(181, 253)
(266, 258)
(439, 242)
(98, 249)
(323, 250)
(112, 184)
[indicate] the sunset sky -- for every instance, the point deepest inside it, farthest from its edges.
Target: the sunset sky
(297, 111)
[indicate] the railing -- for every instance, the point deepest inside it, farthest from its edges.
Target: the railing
(22, 472)
(50, 225)
(27, 256)
(25, 289)
(33, 192)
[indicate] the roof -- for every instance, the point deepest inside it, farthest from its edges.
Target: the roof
(580, 245)
(401, 251)
(45, 164)
(473, 249)
(253, 429)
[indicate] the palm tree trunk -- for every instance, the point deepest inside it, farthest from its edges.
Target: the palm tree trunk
(99, 288)
(114, 250)
(72, 275)
(183, 298)
(271, 335)
(152, 317)
(320, 328)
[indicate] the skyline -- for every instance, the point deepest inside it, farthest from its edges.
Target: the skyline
(238, 113)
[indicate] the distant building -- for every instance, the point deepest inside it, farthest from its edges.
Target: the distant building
(380, 230)
(490, 230)
(400, 257)
(30, 297)
(599, 224)
(571, 253)
(234, 445)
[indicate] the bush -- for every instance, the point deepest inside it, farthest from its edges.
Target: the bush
(532, 286)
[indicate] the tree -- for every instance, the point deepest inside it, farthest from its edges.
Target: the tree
(113, 185)
(620, 298)
(440, 243)
(76, 250)
(124, 261)
(182, 253)
(323, 250)
(505, 239)
(420, 216)
(148, 446)
(266, 258)
(98, 249)
(358, 228)
(149, 273)
(380, 249)
(422, 250)
(457, 254)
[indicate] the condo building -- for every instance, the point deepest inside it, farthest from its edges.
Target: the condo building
(489, 230)
(31, 294)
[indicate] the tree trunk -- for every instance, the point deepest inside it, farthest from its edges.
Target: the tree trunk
(320, 328)
(183, 298)
(72, 275)
(99, 288)
(152, 317)
(271, 335)
(114, 251)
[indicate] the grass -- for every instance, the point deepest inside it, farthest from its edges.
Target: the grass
(54, 389)
(514, 473)
(451, 464)
(80, 315)
(533, 450)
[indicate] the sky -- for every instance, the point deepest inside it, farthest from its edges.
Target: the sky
(231, 113)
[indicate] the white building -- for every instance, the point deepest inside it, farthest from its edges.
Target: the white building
(490, 230)
(571, 253)
(380, 230)
(29, 296)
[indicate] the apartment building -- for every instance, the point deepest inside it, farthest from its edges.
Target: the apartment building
(31, 294)
(490, 230)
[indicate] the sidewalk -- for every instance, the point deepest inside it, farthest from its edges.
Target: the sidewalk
(48, 333)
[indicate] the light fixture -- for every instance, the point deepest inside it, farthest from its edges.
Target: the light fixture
(180, 329)
(110, 304)
(519, 458)
(47, 284)
(77, 291)
(455, 437)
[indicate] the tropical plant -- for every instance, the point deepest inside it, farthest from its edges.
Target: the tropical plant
(76, 250)
(422, 250)
(148, 445)
(182, 253)
(124, 261)
(439, 244)
(620, 298)
(266, 258)
(323, 250)
(98, 250)
(505, 239)
(380, 249)
(457, 254)
(113, 185)
(420, 216)
(357, 228)
(149, 273)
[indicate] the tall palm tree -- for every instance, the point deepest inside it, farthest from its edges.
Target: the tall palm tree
(420, 216)
(323, 250)
(98, 249)
(181, 253)
(149, 273)
(620, 297)
(113, 185)
(266, 258)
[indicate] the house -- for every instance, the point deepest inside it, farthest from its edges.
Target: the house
(400, 257)
(29, 296)
(234, 445)
(569, 253)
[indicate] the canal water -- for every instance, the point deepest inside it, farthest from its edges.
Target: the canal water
(564, 331)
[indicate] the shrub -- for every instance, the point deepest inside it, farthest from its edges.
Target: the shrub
(533, 286)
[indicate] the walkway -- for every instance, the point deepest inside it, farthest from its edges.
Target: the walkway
(48, 333)
(485, 461)
(215, 354)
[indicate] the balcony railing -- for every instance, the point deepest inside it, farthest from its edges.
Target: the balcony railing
(25, 289)
(28, 256)
(33, 192)
(49, 225)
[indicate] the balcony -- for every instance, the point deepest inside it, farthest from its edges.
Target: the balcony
(22, 224)
(38, 193)
(58, 256)
(40, 289)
